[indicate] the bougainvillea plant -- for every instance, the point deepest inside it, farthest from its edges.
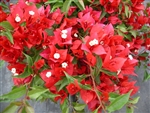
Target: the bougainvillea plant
(76, 52)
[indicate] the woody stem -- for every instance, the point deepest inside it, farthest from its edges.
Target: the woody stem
(95, 90)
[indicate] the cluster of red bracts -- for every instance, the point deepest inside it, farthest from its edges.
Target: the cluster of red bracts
(69, 42)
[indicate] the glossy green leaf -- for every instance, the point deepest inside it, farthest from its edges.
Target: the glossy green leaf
(15, 93)
(134, 100)
(50, 32)
(99, 62)
(80, 4)
(2, 63)
(63, 84)
(127, 11)
(35, 93)
(29, 59)
(69, 78)
(108, 72)
(4, 5)
(66, 6)
(79, 107)
(49, 95)
(119, 102)
(27, 72)
(129, 110)
(51, 1)
(133, 32)
(95, 111)
(64, 107)
(29, 109)
(113, 96)
(11, 108)
(57, 5)
(8, 35)
(146, 76)
(6, 25)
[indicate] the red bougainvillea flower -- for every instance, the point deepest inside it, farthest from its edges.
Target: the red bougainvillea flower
(73, 88)
(3, 15)
(39, 64)
(87, 95)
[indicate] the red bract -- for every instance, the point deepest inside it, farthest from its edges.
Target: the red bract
(73, 88)
(86, 49)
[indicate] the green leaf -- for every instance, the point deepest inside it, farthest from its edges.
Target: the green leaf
(129, 109)
(35, 93)
(119, 102)
(27, 72)
(6, 25)
(63, 84)
(29, 59)
(127, 11)
(103, 14)
(8, 35)
(79, 107)
(64, 107)
(122, 28)
(11, 108)
(69, 78)
(95, 111)
(49, 95)
(133, 32)
(146, 76)
(134, 101)
(4, 5)
(57, 5)
(108, 72)
(29, 109)
(2, 63)
(51, 1)
(50, 32)
(113, 96)
(15, 93)
(99, 62)
(87, 87)
(66, 6)
(80, 4)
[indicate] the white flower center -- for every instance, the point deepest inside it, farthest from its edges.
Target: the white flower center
(15, 74)
(56, 55)
(128, 45)
(13, 70)
(64, 64)
(102, 42)
(17, 19)
(136, 50)
(31, 12)
(148, 45)
(93, 42)
(64, 36)
(130, 57)
(110, 57)
(75, 35)
(44, 47)
(64, 31)
(118, 72)
(48, 74)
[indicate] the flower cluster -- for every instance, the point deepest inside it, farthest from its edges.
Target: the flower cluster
(85, 49)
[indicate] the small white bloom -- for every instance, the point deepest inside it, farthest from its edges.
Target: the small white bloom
(64, 64)
(148, 45)
(56, 55)
(118, 72)
(110, 57)
(48, 74)
(93, 42)
(44, 47)
(17, 19)
(64, 36)
(136, 50)
(130, 57)
(102, 42)
(31, 13)
(13, 70)
(128, 45)
(75, 35)
(64, 31)
(15, 74)
(27, 3)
